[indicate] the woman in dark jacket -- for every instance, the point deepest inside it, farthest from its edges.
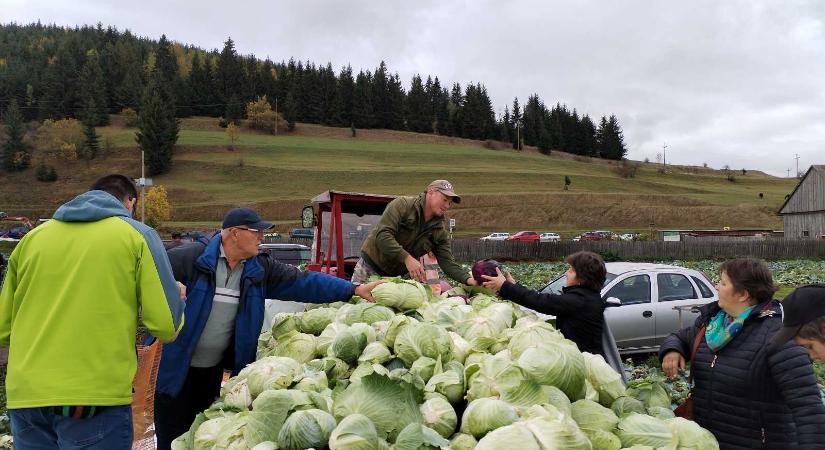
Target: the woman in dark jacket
(579, 309)
(748, 394)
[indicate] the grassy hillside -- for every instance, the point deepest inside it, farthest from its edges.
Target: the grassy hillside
(503, 190)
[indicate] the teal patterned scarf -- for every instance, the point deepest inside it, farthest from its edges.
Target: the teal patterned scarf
(723, 328)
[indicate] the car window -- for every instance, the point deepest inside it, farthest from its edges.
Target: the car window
(674, 286)
(632, 290)
(706, 291)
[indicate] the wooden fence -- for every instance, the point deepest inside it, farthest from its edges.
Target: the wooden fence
(474, 249)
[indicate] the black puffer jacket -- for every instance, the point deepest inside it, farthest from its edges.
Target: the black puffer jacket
(579, 312)
(750, 397)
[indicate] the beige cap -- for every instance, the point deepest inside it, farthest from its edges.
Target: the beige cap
(446, 188)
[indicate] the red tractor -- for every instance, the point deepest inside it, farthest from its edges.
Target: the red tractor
(341, 221)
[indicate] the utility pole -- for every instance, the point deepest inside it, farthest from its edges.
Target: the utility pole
(796, 157)
(664, 157)
(518, 134)
(789, 173)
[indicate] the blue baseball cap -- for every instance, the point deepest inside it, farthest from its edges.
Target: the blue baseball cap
(247, 217)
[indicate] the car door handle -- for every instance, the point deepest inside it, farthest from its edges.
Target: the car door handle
(647, 314)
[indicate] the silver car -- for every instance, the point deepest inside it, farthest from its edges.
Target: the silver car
(647, 302)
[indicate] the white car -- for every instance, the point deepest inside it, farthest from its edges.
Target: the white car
(641, 299)
(627, 237)
(496, 237)
(549, 237)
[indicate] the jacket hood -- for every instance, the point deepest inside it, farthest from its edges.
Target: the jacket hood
(91, 206)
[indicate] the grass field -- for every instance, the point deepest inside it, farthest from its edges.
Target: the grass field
(503, 190)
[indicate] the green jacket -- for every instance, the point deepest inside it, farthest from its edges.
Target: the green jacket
(69, 305)
(401, 232)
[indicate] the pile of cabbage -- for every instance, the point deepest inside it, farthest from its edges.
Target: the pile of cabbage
(414, 371)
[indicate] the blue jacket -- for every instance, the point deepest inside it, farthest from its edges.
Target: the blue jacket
(194, 265)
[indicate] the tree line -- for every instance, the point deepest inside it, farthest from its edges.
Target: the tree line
(87, 72)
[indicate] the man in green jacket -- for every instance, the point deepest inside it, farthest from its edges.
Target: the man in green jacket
(69, 313)
(409, 228)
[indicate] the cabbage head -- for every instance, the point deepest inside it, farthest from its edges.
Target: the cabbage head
(312, 381)
(603, 440)
(283, 323)
(449, 383)
(324, 341)
(491, 377)
(207, 433)
(591, 416)
(557, 365)
(650, 392)
(558, 399)
(423, 367)
(295, 345)
(418, 437)
(486, 414)
(439, 415)
(315, 320)
(238, 396)
(606, 381)
(639, 429)
(348, 345)
(537, 434)
(335, 368)
(626, 405)
(462, 441)
(308, 428)
(397, 323)
(232, 433)
(271, 372)
(390, 405)
(375, 353)
(691, 436)
(531, 334)
(354, 432)
(423, 339)
(368, 313)
(660, 413)
(461, 348)
(401, 295)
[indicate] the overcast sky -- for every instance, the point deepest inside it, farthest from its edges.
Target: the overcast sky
(739, 83)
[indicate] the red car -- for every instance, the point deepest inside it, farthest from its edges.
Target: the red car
(524, 236)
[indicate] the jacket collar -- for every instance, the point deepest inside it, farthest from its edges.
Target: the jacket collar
(208, 260)
(763, 310)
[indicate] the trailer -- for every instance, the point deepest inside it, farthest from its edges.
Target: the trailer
(341, 222)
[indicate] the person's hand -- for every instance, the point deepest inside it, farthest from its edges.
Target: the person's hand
(497, 281)
(365, 290)
(181, 290)
(672, 363)
(415, 269)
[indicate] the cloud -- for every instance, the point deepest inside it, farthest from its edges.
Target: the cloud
(736, 82)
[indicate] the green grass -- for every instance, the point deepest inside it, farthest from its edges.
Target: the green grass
(504, 190)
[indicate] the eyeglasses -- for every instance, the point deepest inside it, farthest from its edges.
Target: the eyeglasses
(258, 232)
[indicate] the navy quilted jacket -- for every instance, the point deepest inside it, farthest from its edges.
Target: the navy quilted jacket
(748, 396)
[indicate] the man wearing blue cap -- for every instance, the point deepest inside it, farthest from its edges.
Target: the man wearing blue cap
(227, 281)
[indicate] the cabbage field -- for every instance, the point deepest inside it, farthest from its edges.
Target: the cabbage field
(785, 273)
(415, 371)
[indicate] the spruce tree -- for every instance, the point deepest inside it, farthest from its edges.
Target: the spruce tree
(229, 74)
(362, 107)
(91, 141)
(289, 111)
(418, 108)
(16, 153)
(158, 129)
(234, 110)
(516, 125)
(346, 92)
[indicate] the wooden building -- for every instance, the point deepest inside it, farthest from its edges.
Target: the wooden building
(804, 210)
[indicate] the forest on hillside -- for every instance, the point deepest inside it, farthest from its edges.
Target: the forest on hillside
(88, 72)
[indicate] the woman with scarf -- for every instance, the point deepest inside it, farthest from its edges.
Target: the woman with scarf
(747, 393)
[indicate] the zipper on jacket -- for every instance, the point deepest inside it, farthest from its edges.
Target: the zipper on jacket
(763, 436)
(713, 363)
